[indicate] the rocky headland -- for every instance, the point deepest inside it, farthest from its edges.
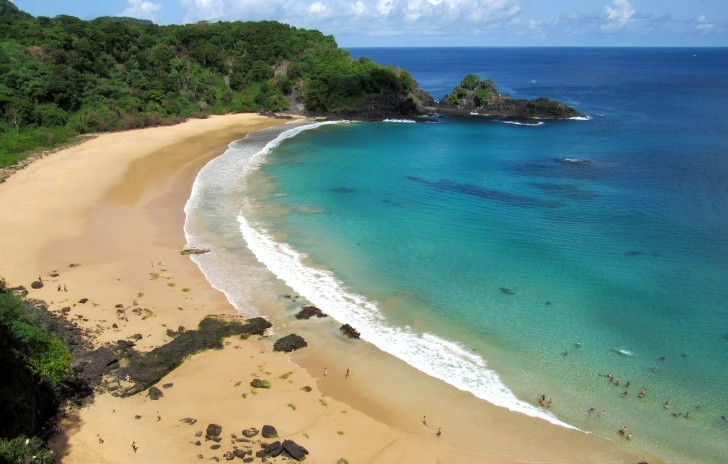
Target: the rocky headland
(471, 98)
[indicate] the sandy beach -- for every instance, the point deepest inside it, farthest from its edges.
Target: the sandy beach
(113, 208)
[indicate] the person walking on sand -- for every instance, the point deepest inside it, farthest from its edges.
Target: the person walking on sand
(424, 420)
(134, 446)
(326, 372)
(346, 376)
(439, 432)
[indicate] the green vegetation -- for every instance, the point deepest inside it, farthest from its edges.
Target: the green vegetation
(470, 81)
(33, 364)
(29, 344)
(481, 95)
(16, 450)
(62, 76)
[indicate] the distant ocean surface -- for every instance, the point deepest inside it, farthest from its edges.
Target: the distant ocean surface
(513, 261)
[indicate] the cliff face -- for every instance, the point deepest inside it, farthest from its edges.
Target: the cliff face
(473, 96)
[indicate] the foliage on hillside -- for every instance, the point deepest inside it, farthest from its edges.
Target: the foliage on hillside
(33, 364)
(63, 76)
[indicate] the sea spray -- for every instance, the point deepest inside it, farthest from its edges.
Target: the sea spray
(428, 353)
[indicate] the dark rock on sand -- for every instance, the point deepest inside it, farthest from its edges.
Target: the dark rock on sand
(136, 336)
(310, 311)
(251, 432)
(213, 430)
(168, 385)
(248, 459)
(155, 393)
(229, 456)
(19, 291)
(350, 331)
(274, 449)
(295, 450)
(193, 251)
(37, 284)
(269, 431)
(240, 454)
(171, 333)
(289, 343)
(148, 368)
(215, 446)
(83, 300)
(260, 383)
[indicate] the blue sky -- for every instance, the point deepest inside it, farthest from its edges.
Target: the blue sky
(361, 23)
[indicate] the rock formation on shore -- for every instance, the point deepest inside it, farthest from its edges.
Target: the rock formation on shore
(475, 97)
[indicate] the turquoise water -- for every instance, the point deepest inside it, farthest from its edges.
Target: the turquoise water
(517, 261)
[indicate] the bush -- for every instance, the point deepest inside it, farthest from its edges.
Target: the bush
(41, 351)
(23, 450)
(470, 81)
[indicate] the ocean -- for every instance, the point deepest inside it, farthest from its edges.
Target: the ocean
(582, 260)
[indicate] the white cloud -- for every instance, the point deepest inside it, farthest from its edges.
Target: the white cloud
(382, 17)
(317, 8)
(619, 13)
(704, 25)
(197, 10)
(142, 9)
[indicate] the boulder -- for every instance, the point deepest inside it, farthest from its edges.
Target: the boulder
(193, 251)
(259, 383)
(229, 456)
(269, 431)
(155, 393)
(240, 454)
(37, 284)
(136, 336)
(350, 331)
(310, 311)
(274, 449)
(295, 450)
(251, 432)
(213, 430)
(83, 300)
(289, 343)
(22, 292)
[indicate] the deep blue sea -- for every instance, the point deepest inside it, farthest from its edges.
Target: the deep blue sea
(515, 261)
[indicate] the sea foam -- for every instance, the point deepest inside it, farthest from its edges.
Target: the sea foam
(437, 357)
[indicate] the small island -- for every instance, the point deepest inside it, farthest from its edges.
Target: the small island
(481, 98)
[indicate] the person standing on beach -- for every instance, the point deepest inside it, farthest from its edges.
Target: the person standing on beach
(134, 446)
(326, 372)
(424, 420)
(346, 376)
(439, 432)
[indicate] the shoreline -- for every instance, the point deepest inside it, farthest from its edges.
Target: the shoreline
(117, 212)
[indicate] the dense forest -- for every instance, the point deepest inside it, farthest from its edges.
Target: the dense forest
(60, 77)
